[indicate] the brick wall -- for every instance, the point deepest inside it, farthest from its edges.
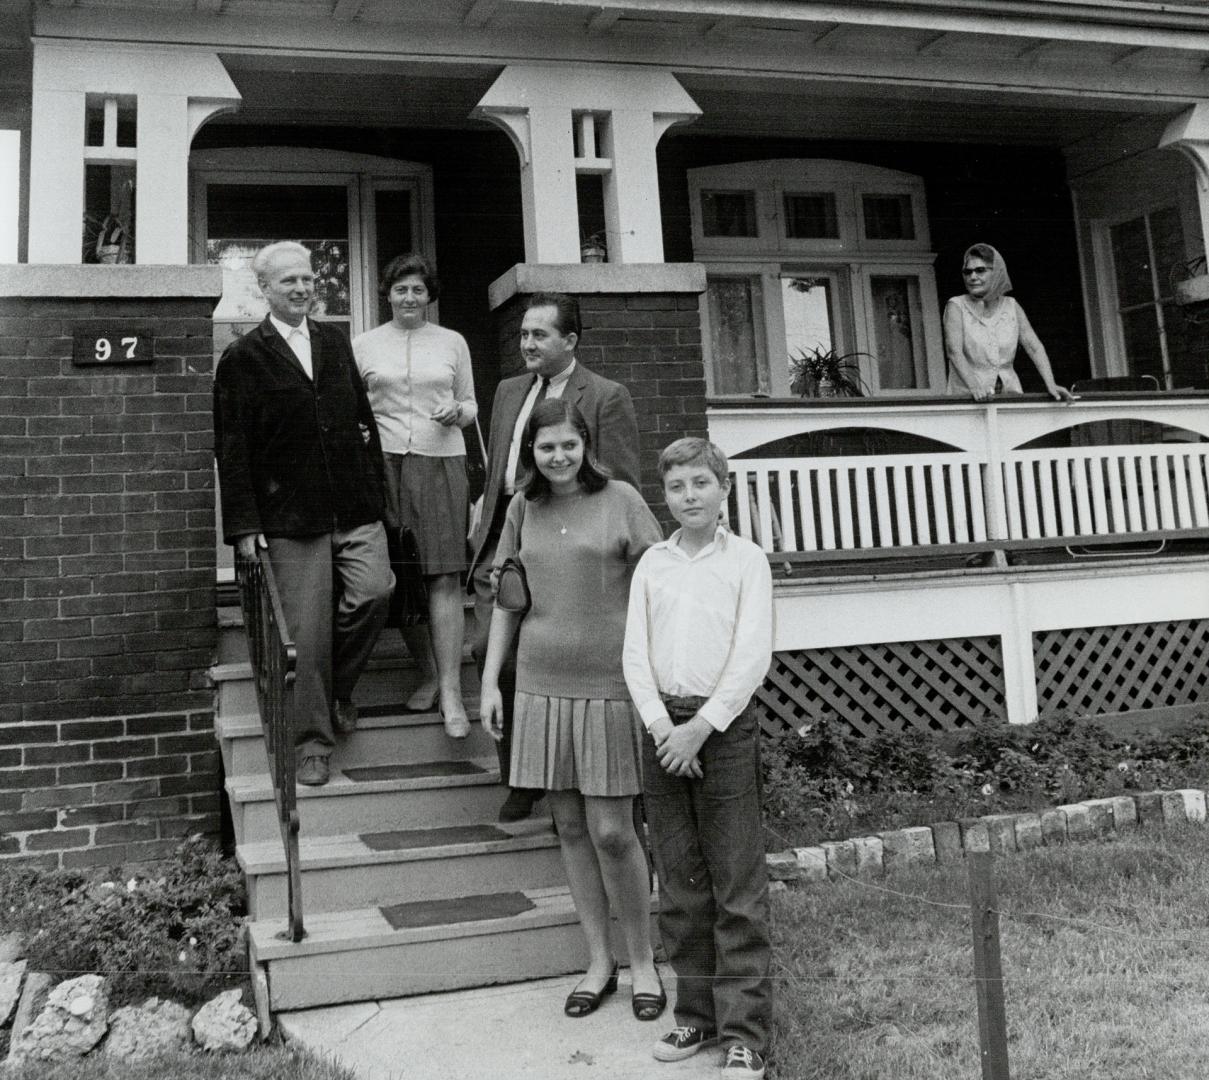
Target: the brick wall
(650, 341)
(107, 535)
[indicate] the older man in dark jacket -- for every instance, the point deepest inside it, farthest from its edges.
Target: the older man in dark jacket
(300, 472)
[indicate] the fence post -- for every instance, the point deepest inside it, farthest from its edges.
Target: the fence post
(988, 973)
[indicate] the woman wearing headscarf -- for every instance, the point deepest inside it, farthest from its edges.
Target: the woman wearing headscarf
(983, 328)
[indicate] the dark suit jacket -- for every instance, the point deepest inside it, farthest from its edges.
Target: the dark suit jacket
(608, 410)
(296, 456)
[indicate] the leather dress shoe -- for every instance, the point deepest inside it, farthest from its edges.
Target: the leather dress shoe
(344, 717)
(520, 803)
(313, 770)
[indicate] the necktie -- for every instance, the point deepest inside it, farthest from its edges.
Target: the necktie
(542, 391)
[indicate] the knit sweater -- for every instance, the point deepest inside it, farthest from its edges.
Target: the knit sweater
(579, 552)
(408, 375)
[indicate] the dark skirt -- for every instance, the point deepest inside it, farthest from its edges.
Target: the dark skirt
(430, 495)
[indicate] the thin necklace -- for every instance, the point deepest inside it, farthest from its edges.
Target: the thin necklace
(563, 525)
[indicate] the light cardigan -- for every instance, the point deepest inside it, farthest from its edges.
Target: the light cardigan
(578, 552)
(699, 626)
(408, 375)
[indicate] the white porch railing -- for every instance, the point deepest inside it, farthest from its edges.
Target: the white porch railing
(986, 491)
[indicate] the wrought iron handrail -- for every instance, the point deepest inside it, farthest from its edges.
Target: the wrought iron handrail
(274, 660)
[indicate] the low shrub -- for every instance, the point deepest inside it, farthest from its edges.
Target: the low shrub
(173, 929)
(824, 782)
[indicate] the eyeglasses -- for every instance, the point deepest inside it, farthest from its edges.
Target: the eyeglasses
(970, 271)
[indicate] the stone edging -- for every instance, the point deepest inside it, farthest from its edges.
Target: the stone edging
(949, 841)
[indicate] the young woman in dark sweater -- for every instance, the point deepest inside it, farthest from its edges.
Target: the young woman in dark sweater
(579, 535)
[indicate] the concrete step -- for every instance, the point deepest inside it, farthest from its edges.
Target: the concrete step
(404, 864)
(358, 955)
(375, 798)
(384, 733)
(386, 679)
(233, 644)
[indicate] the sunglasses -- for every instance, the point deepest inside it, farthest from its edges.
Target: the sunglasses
(970, 271)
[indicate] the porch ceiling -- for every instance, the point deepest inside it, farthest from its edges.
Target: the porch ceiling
(361, 93)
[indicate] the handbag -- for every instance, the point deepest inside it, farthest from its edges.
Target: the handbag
(512, 587)
(409, 601)
(512, 583)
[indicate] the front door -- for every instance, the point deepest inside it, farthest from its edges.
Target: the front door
(354, 212)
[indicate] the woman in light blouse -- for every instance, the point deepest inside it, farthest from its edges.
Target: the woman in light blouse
(421, 388)
(983, 329)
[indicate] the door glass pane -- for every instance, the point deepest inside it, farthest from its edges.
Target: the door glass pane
(811, 216)
(739, 365)
(1131, 258)
(1167, 236)
(809, 314)
(896, 327)
(729, 213)
(1189, 368)
(1140, 329)
(242, 218)
(392, 213)
(888, 217)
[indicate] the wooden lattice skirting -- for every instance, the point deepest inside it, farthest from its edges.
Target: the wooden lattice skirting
(899, 686)
(1110, 669)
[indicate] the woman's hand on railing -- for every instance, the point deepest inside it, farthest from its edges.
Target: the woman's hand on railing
(246, 545)
(1060, 393)
(491, 710)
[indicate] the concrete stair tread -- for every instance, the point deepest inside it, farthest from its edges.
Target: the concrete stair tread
(352, 849)
(256, 787)
(371, 717)
(368, 928)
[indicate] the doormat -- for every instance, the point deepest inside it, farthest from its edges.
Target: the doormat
(405, 839)
(367, 773)
(459, 909)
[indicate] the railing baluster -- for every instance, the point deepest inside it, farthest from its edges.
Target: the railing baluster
(1196, 469)
(1028, 488)
(789, 532)
(1183, 503)
(843, 498)
(1011, 499)
(1133, 503)
(1162, 465)
(806, 498)
(1116, 500)
(864, 516)
(1049, 517)
(885, 521)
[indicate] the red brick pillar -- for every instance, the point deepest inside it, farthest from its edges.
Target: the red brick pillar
(107, 535)
(641, 327)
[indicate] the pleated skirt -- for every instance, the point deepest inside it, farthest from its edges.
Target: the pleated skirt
(430, 496)
(589, 746)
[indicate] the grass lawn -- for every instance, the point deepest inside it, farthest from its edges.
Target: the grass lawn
(269, 1063)
(877, 986)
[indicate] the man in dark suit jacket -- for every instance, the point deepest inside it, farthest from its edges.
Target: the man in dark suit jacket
(550, 330)
(300, 473)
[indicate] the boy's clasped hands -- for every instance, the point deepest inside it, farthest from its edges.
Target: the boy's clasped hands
(677, 745)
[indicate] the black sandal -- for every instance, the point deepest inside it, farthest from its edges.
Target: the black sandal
(582, 1003)
(649, 1006)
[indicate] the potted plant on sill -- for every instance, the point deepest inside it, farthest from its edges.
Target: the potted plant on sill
(823, 373)
(593, 249)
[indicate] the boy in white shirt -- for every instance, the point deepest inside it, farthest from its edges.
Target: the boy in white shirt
(698, 644)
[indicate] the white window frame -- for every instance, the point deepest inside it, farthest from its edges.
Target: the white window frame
(850, 258)
(361, 174)
(1116, 363)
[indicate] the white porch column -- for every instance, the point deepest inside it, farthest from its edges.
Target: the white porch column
(175, 90)
(543, 106)
(1189, 133)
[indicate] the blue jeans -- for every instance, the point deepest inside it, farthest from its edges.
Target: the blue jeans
(713, 884)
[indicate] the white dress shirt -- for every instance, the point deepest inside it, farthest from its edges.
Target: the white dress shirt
(298, 338)
(699, 625)
(558, 383)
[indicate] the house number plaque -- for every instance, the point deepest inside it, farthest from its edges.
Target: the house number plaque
(112, 343)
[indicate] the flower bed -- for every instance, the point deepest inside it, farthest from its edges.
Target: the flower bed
(827, 784)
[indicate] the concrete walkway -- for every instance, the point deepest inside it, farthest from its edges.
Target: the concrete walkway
(515, 1032)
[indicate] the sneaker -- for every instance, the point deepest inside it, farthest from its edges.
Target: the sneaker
(344, 717)
(313, 770)
(742, 1063)
(680, 1043)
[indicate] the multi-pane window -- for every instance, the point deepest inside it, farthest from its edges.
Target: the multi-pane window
(815, 254)
(1145, 250)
